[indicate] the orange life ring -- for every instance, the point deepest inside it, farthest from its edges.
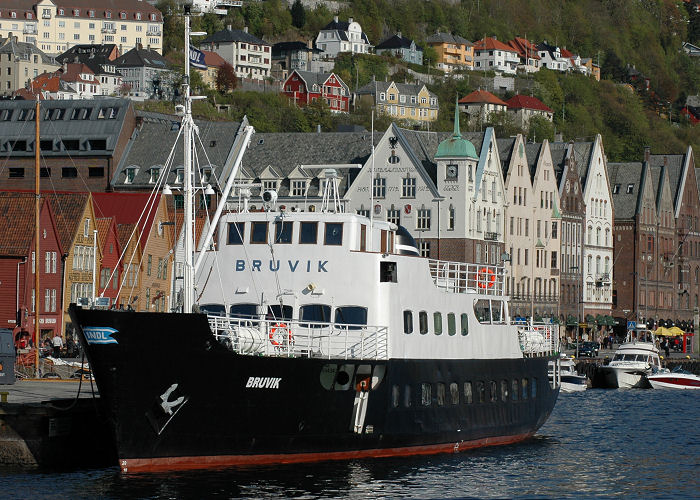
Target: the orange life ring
(485, 278)
(273, 334)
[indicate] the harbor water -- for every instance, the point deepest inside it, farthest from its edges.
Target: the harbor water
(599, 443)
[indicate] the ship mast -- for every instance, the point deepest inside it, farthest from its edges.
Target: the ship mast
(188, 130)
(37, 207)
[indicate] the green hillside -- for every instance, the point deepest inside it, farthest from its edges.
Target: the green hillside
(619, 34)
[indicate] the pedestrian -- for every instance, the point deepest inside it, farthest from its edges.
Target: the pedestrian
(57, 344)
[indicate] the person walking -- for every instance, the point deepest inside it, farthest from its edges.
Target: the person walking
(57, 344)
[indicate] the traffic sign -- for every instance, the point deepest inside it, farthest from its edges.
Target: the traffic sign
(631, 325)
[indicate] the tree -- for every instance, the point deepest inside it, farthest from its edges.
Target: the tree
(226, 79)
(298, 14)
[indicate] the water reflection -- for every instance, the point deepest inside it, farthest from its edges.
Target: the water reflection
(635, 443)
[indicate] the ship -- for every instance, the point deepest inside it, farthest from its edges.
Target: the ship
(315, 336)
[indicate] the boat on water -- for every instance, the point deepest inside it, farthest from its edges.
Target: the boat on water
(674, 379)
(571, 381)
(315, 336)
(634, 359)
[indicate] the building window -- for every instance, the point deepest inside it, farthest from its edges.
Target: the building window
(424, 248)
(451, 218)
(379, 187)
(298, 188)
(408, 187)
(423, 219)
(394, 216)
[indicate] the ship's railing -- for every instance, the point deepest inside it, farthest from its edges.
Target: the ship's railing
(538, 339)
(459, 277)
(294, 338)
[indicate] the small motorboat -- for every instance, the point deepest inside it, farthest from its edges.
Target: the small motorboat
(571, 381)
(674, 379)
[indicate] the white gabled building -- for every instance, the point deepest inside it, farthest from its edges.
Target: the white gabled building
(490, 54)
(598, 243)
(342, 36)
(250, 56)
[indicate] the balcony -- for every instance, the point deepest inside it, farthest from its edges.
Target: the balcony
(30, 30)
(109, 30)
(153, 33)
(490, 236)
(46, 15)
(222, 4)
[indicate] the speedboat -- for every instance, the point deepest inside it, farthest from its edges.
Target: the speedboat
(674, 379)
(633, 361)
(571, 381)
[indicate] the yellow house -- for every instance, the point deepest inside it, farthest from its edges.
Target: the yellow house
(453, 52)
(54, 26)
(402, 101)
(75, 221)
(213, 61)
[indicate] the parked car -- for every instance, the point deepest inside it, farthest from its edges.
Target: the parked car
(589, 349)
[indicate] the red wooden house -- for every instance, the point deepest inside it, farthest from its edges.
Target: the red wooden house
(111, 266)
(18, 263)
(306, 87)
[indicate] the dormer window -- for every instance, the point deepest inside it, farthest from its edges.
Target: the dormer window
(138, 16)
(76, 12)
(130, 174)
(616, 188)
(179, 176)
(153, 17)
(206, 175)
(91, 13)
(13, 15)
(108, 15)
(155, 173)
(61, 12)
(630, 188)
(269, 185)
(298, 188)
(122, 15)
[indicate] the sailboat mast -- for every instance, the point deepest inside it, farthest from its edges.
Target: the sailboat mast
(37, 203)
(188, 278)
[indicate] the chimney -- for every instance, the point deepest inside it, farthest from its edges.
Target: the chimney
(647, 153)
(228, 27)
(399, 34)
(245, 29)
(349, 20)
(310, 44)
(335, 19)
(318, 128)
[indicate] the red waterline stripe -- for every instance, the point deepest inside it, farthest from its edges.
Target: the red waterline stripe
(687, 382)
(129, 465)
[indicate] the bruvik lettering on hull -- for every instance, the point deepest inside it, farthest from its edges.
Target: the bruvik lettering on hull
(308, 266)
(263, 382)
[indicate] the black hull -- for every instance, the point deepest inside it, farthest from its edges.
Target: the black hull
(228, 409)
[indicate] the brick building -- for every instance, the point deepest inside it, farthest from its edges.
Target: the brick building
(81, 143)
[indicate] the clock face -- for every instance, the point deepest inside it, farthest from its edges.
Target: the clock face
(452, 171)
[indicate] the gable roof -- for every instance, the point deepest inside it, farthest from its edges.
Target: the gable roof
(372, 88)
(395, 42)
(524, 47)
(17, 223)
(68, 209)
(481, 97)
(129, 208)
(310, 78)
(490, 43)
(448, 38)
(140, 58)
(626, 204)
(12, 47)
(520, 101)
(213, 59)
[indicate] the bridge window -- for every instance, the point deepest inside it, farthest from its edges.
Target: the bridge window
(258, 232)
(278, 312)
(215, 309)
(492, 391)
(407, 396)
(308, 233)
(353, 316)
(515, 387)
(236, 231)
(524, 385)
(283, 232)
(244, 311)
(334, 233)
(319, 313)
